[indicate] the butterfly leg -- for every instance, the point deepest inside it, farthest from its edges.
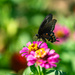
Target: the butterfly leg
(44, 39)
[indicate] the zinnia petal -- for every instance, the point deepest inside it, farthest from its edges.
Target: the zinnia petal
(43, 45)
(47, 66)
(30, 57)
(56, 55)
(51, 52)
(54, 65)
(22, 51)
(29, 43)
(30, 63)
(24, 54)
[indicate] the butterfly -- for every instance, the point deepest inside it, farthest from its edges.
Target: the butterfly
(46, 29)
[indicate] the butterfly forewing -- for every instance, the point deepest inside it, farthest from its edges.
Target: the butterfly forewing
(51, 25)
(45, 21)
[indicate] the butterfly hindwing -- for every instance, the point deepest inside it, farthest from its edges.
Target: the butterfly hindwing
(49, 36)
(49, 26)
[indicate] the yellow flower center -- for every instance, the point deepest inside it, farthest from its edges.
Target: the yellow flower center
(33, 47)
(59, 34)
(40, 53)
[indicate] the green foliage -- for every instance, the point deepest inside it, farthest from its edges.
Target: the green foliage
(33, 71)
(7, 72)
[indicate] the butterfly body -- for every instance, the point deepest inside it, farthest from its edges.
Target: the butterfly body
(46, 29)
(49, 36)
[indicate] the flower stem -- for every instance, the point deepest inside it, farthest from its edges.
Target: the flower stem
(40, 71)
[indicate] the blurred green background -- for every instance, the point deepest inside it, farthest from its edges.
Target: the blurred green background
(20, 21)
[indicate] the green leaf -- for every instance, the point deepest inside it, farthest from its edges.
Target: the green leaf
(44, 71)
(34, 69)
(50, 71)
(55, 72)
(27, 71)
(62, 73)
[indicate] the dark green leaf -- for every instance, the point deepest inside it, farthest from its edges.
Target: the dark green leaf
(50, 71)
(62, 73)
(55, 72)
(34, 69)
(44, 71)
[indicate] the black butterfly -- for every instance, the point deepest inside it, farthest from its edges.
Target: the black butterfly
(46, 29)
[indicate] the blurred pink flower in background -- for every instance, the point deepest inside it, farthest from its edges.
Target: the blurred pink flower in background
(62, 33)
(39, 53)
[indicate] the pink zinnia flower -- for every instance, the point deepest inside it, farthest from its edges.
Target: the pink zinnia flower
(61, 33)
(39, 53)
(32, 47)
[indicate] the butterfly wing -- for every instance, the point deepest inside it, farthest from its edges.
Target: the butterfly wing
(49, 27)
(43, 25)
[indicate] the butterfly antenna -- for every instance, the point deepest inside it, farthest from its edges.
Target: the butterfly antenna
(35, 38)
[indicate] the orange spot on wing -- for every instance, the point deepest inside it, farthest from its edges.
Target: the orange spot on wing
(48, 39)
(46, 33)
(51, 34)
